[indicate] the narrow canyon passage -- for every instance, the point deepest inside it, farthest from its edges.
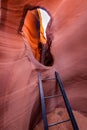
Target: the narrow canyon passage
(34, 30)
(22, 57)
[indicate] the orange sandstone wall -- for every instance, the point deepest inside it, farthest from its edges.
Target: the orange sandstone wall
(70, 49)
(19, 93)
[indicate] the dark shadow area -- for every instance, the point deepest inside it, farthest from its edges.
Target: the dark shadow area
(3, 11)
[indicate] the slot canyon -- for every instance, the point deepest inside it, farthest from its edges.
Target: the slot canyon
(21, 59)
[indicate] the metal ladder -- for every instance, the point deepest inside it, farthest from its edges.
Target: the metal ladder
(67, 104)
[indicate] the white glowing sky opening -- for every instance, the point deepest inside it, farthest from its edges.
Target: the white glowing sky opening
(45, 20)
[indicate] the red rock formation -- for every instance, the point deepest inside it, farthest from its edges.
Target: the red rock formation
(19, 92)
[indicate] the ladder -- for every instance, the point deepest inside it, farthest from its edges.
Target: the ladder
(67, 104)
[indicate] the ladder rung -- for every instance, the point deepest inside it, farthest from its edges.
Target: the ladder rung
(53, 124)
(54, 96)
(48, 79)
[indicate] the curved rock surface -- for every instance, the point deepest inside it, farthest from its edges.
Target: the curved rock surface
(19, 92)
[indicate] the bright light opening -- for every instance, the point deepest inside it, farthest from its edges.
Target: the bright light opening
(45, 20)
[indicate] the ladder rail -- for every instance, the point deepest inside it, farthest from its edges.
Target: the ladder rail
(67, 104)
(43, 103)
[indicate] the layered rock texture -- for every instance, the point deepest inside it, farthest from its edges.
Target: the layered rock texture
(20, 107)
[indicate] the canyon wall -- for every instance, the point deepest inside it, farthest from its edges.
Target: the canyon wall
(19, 93)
